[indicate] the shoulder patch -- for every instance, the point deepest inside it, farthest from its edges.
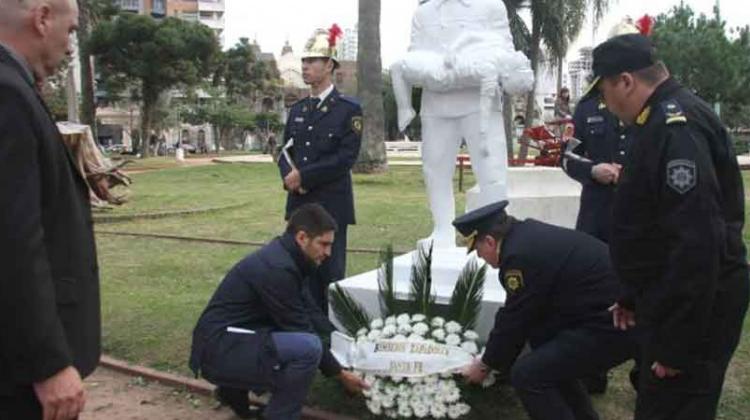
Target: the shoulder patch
(357, 124)
(682, 175)
(672, 112)
(513, 281)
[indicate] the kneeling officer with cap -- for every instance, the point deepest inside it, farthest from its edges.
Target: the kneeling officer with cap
(559, 285)
(262, 331)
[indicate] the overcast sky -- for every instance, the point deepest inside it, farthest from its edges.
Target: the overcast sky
(272, 22)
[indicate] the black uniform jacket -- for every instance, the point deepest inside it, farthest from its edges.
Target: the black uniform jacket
(602, 141)
(49, 286)
(264, 293)
(326, 146)
(555, 279)
(678, 217)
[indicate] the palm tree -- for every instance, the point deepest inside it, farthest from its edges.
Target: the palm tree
(372, 157)
(556, 23)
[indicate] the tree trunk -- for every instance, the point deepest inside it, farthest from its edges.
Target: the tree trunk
(508, 124)
(149, 102)
(88, 106)
(372, 157)
(531, 97)
(559, 74)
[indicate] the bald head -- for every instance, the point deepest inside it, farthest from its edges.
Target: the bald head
(39, 30)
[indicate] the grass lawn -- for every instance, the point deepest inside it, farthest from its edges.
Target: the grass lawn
(153, 290)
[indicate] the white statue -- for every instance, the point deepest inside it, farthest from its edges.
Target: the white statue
(462, 55)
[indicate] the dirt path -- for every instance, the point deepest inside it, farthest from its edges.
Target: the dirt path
(116, 396)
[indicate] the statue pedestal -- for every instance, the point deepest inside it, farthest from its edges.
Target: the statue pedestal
(545, 194)
(542, 193)
(447, 264)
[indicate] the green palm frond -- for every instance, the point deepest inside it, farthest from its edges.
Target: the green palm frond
(466, 300)
(387, 293)
(422, 298)
(349, 313)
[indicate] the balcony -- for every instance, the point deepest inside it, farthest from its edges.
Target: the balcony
(211, 5)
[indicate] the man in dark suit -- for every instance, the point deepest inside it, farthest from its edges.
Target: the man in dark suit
(49, 287)
(321, 144)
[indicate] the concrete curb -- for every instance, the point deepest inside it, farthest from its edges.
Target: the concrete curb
(161, 215)
(198, 386)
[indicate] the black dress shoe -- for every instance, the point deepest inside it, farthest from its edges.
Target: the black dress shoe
(238, 401)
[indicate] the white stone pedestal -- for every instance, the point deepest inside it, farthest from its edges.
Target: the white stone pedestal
(447, 264)
(542, 193)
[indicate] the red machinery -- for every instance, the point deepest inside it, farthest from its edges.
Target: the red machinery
(549, 146)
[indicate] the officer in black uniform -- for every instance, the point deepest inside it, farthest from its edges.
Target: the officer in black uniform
(596, 164)
(321, 144)
(559, 286)
(261, 329)
(603, 145)
(677, 233)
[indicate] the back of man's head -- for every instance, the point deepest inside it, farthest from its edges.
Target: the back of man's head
(312, 219)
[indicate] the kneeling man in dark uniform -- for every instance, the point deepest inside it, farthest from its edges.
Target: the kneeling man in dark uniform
(559, 285)
(262, 331)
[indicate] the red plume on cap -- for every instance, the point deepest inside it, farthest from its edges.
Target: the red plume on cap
(645, 25)
(333, 33)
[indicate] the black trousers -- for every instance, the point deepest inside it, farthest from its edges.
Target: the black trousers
(333, 269)
(547, 378)
(694, 394)
(21, 405)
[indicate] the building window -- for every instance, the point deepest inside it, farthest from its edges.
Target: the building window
(130, 5)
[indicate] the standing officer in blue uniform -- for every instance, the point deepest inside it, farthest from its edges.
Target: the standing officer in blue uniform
(677, 233)
(262, 331)
(559, 285)
(603, 144)
(321, 144)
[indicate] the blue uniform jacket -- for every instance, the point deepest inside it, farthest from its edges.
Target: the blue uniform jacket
(326, 146)
(264, 292)
(603, 139)
(555, 279)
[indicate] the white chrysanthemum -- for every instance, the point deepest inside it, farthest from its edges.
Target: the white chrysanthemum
(420, 328)
(415, 337)
(404, 411)
(418, 318)
(403, 319)
(453, 327)
(397, 379)
(413, 380)
(454, 411)
(437, 322)
(465, 408)
(438, 410)
(421, 410)
(431, 380)
(391, 320)
(471, 335)
(374, 335)
(362, 331)
(404, 329)
(388, 401)
(389, 331)
(453, 340)
(376, 324)
(392, 413)
(438, 334)
(399, 337)
(470, 347)
(452, 395)
(390, 390)
(446, 375)
(374, 406)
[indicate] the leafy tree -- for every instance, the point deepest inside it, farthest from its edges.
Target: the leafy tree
(372, 156)
(699, 52)
(245, 76)
(153, 57)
